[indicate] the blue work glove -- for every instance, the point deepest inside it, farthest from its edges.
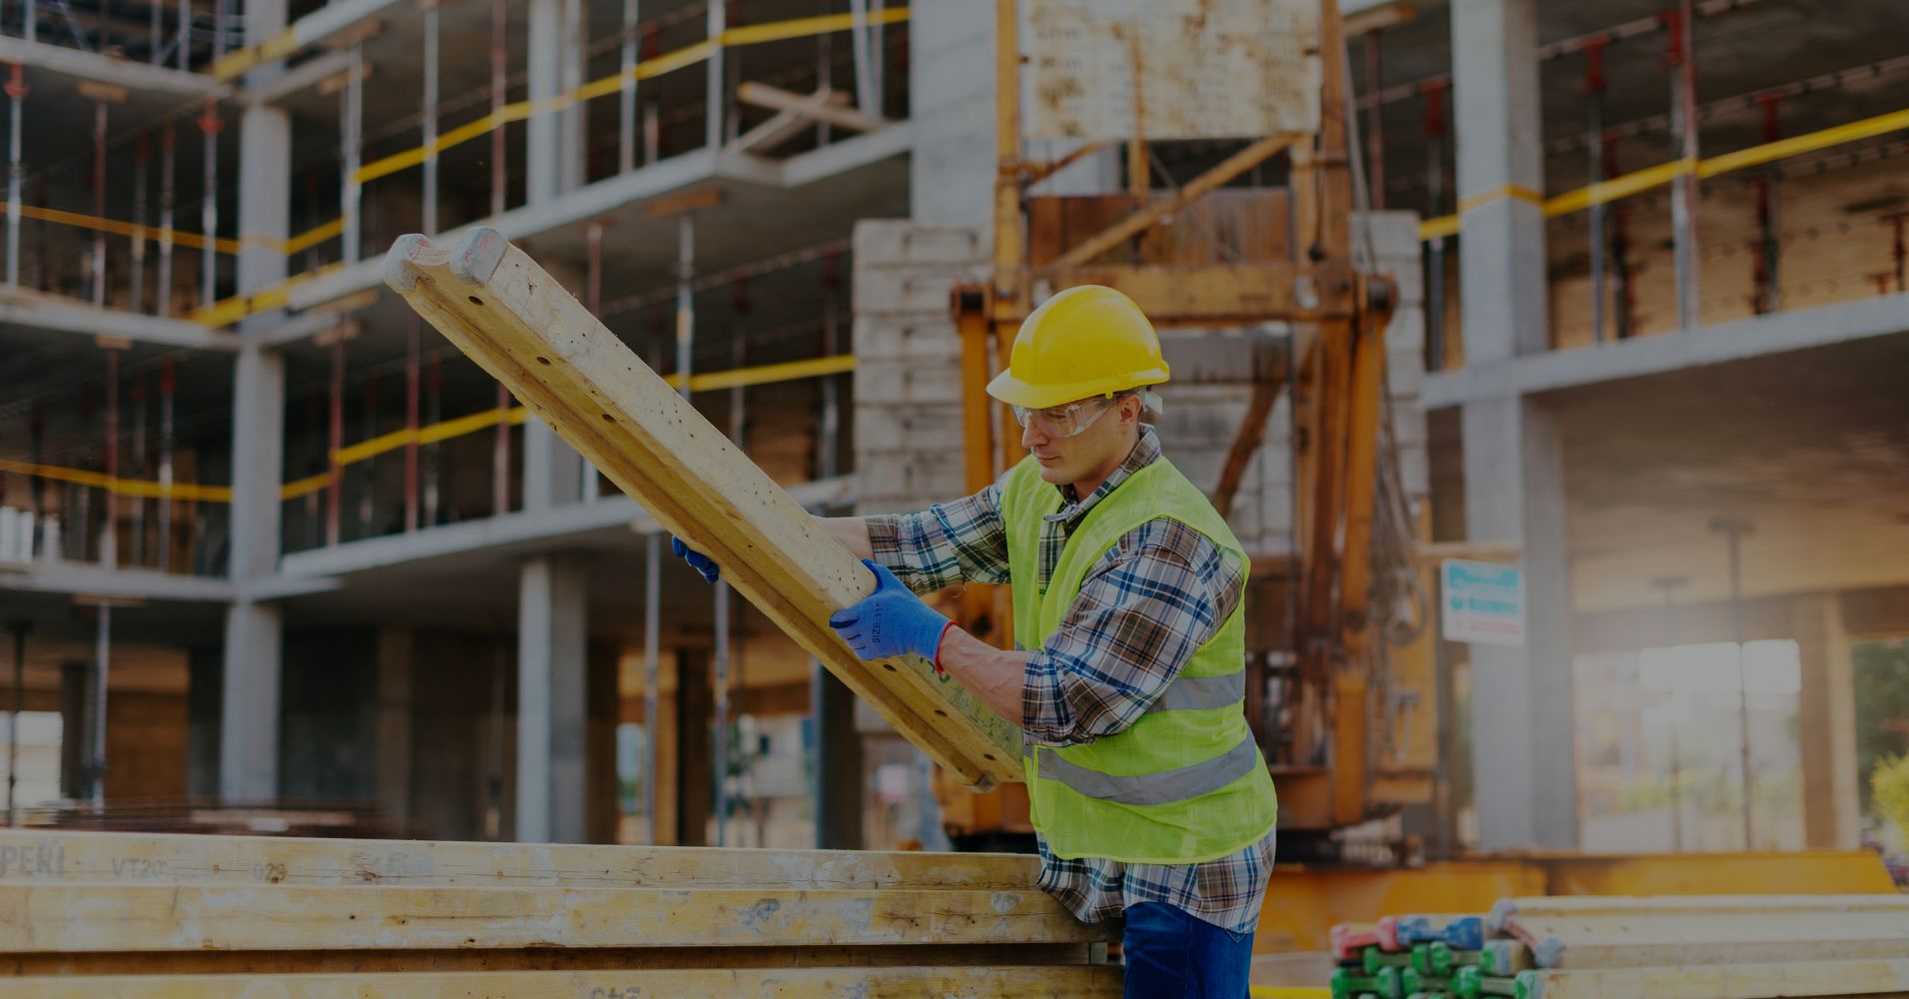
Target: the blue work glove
(697, 560)
(891, 621)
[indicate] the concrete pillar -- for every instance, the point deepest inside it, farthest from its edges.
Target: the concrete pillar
(1523, 766)
(551, 677)
(1826, 724)
(543, 147)
(396, 653)
(248, 727)
(1500, 172)
(951, 83)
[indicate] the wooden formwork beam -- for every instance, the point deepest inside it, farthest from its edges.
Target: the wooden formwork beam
(1061, 982)
(157, 918)
(1752, 980)
(500, 308)
(46, 857)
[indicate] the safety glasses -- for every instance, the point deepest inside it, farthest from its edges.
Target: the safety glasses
(1070, 420)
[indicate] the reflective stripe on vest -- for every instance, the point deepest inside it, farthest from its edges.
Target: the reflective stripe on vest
(1194, 693)
(1161, 788)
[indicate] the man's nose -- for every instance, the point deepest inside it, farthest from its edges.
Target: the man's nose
(1030, 436)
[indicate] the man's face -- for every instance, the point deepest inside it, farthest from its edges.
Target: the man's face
(1081, 438)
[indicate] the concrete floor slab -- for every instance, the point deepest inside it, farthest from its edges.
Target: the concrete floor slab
(1776, 333)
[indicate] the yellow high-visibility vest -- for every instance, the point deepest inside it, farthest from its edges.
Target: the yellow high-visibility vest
(1186, 783)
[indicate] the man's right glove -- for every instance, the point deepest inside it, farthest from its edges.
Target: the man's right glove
(697, 560)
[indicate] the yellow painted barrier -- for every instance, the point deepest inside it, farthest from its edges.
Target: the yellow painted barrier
(443, 430)
(1643, 180)
(119, 486)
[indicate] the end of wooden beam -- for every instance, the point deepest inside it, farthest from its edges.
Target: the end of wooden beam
(400, 268)
(477, 256)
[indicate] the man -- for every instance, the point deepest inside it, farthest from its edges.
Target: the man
(1146, 789)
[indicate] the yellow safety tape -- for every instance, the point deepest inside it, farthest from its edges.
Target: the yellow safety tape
(1617, 188)
(1512, 191)
(1605, 191)
(764, 374)
(305, 486)
(805, 27)
(79, 220)
(397, 439)
(1881, 124)
(144, 488)
(314, 236)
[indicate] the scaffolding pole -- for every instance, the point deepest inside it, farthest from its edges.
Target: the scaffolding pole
(864, 62)
(166, 387)
(1434, 204)
(713, 132)
(168, 172)
(429, 458)
(99, 206)
(1594, 132)
(16, 95)
(141, 160)
(108, 557)
(412, 375)
(430, 117)
(185, 36)
(209, 209)
(139, 467)
(1683, 193)
(587, 489)
(334, 490)
(352, 114)
(498, 150)
(626, 99)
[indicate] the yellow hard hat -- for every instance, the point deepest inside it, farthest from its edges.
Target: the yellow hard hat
(1089, 340)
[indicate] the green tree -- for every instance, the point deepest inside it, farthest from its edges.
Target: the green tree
(1882, 708)
(1889, 790)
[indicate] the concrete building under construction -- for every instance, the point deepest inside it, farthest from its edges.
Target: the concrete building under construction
(277, 556)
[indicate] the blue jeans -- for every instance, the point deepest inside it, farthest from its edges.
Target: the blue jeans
(1170, 953)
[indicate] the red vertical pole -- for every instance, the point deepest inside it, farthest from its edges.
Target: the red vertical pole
(411, 374)
(334, 491)
(1767, 295)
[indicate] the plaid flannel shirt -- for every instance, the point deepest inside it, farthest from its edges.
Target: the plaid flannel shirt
(1155, 597)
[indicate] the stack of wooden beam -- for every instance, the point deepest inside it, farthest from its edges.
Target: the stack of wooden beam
(111, 914)
(1589, 947)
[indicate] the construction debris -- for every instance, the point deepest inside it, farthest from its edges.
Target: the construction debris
(498, 306)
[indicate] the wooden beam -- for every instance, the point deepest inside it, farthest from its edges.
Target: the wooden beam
(495, 304)
(777, 99)
(1060, 982)
(1148, 217)
(41, 858)
(705, 196)
(1246, 441)
(1188, 296)
(166, 917)
(783, 126)
(1727, 981)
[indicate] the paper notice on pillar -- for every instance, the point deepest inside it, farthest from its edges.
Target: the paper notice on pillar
(1101, 70)
(1483, 602)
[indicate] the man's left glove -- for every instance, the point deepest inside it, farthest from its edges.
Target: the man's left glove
(891, 621)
